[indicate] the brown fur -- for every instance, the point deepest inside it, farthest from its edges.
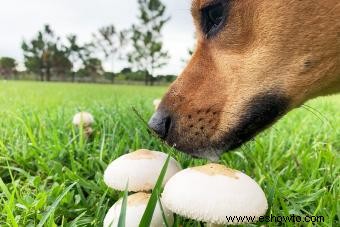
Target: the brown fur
(290, 47)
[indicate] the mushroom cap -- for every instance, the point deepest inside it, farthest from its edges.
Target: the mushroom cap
(210, 193)
(140, 169)
(136, 205)
(83, 118)
(156, 103)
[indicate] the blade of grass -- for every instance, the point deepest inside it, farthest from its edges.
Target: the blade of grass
(54, 205)
(122, 215)
(9, 207)
(74, 222)
(145, 123)
(150, 208)
(4, 188)
(163, 214)
(152, 132)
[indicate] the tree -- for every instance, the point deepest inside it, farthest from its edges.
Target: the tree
(7, 67)
(45, 55)
(38, 53)
(130, 75)
(190, 52)
(77, 53)
(93, 68)
(148, 53)
(83, 55)
(111, 43)
(61, 64)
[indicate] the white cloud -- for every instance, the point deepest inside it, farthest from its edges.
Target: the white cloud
(21, 19)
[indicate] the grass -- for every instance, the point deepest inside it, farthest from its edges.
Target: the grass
(42, 156)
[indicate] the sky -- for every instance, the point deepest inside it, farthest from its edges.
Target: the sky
(21, 19)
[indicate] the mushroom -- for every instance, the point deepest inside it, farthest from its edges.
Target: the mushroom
(84, 120)
(136, 205)
(140, 169)
(213, 192)
(156, 103)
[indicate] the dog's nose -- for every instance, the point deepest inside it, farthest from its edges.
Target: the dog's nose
(160, 123)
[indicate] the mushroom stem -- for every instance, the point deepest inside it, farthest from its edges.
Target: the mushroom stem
(88, 132)
(214, 225)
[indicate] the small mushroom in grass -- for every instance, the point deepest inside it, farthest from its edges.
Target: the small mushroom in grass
(136, 205)
(84, 120)
(213, 192)
(141, 169)
(156, 103)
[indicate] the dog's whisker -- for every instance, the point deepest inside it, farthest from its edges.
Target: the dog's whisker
(312, 111)
(318, 114)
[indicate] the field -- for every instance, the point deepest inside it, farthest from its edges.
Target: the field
(41, 155)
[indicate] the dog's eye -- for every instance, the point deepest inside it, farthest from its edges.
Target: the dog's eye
(215, 15)
(213, 18)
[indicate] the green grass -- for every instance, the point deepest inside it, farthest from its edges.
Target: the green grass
(41, 155)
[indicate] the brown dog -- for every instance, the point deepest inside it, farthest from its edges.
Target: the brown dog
(255, 60)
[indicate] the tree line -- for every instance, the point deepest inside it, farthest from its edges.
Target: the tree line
(49, 57)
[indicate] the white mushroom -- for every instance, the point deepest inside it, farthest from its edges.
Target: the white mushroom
(136, 205)
(156, 103)
(140, 169)
(212, 192)
(84, 119)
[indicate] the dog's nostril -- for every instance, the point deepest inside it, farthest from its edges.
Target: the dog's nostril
(160, 123)
(167, 125)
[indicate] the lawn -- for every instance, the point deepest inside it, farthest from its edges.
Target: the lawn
(41, 155)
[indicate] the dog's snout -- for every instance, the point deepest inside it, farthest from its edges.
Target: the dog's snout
(160, 123)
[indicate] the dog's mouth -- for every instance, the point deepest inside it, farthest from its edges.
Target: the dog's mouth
(259, 113)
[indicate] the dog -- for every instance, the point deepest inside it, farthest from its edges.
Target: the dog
(254, 61)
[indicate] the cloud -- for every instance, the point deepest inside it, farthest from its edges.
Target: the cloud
(21, 19)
